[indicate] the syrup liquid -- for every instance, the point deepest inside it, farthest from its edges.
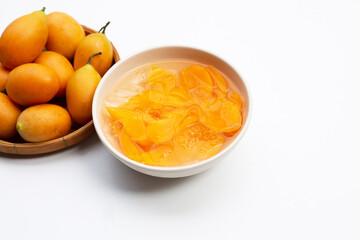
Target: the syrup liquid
(134, 83)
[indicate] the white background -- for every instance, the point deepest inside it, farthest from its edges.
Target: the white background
(295, 174)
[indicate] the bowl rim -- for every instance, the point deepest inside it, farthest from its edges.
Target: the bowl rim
(118, 154)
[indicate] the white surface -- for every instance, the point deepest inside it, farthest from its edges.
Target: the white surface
(295, 175)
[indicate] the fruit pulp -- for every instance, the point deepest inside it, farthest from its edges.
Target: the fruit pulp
(172, 113)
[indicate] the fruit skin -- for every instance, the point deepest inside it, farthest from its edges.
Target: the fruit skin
(4, 73)
(43, 122)
(9, 113)
(65, 34)
(61, 66)
(23, 40)
(95, 42)
(80, 93)
(31, 84)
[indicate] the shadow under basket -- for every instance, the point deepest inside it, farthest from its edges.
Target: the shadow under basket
(78, 133)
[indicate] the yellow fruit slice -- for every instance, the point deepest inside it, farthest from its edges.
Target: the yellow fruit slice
(220, 86)
(236, 98)
(214, 121)
(161, 131)
(203, 97)
(161, 79)
(151, 115)
(195, 76)
(193, 115)
(120, 113)
(162, 155)
(232, 116)
(132, 122)
(139, 101)
(157, 97)
(179, 97)
(178, 114)
(129, 147)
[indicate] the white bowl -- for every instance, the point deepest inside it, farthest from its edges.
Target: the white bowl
(156, 54)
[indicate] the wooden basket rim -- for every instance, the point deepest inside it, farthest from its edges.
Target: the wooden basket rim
(59, 143)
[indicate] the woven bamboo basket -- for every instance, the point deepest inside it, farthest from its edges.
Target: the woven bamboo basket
(77, 134)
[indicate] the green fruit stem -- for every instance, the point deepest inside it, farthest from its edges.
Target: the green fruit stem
(4, 90)
(19, 127)
(98, 53)
(43, 9)
(102, 30)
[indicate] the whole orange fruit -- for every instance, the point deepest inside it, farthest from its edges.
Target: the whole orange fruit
(9, 112)
(43, 122)
(31, 84)
(4, 73)
(24, 39)
(65, 34)
(95, 42)
(80, 92)
(61, 66)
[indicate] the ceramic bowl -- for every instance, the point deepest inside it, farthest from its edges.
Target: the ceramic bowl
(157, 54)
